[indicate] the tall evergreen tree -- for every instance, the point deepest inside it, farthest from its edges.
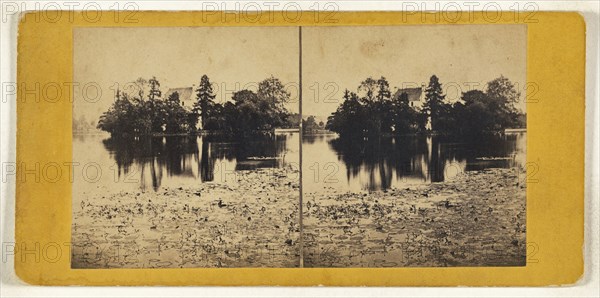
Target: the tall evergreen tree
(434, 102)
(204, 100)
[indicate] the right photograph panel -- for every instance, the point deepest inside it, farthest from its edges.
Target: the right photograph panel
(414, 146)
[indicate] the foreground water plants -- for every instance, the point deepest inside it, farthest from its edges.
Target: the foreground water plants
(476, 219)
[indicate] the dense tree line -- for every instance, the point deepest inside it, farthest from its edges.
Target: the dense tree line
(247, 112)
(310, 125)
(373, 111)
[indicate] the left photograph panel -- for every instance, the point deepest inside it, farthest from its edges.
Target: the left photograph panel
(190, 142)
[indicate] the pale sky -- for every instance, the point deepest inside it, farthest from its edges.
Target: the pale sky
(231, 57)
(408, 55)
(333, 58)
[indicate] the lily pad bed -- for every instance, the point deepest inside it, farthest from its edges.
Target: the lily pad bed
(475, 219)
(251, 223)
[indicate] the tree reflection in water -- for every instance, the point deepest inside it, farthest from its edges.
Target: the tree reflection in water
(176, 156)
(388, 161)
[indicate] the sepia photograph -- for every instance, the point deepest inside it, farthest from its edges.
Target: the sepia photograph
(196, 137)
(414, 146)
(373, 146)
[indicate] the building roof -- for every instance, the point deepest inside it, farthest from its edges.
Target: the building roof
(414, 94)
(185, 93)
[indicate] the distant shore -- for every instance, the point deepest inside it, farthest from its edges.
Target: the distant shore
(428, 133)
(283, 130)
(184, 134)
(475, 219)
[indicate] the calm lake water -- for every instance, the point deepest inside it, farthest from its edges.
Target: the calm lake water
(329, 161)
(147, 164)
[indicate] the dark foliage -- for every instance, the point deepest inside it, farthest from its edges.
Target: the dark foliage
(375, 113)
(247, 112)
